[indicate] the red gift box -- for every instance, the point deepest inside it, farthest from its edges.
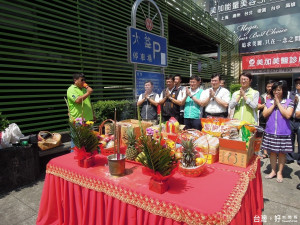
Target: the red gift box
(87, 162)
(159, 187)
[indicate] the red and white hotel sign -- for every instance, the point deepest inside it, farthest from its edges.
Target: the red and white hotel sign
(279, 60)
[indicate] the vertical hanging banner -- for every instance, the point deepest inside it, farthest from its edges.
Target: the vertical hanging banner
(146, 48)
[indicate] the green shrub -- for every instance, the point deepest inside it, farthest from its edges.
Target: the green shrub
(106, 109)
(3, 122)
(234, 87)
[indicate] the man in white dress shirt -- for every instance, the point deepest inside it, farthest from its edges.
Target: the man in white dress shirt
(219, 97)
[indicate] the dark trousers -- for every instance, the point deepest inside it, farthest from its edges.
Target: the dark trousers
(295, 128)
(181, 118)
(192, 124)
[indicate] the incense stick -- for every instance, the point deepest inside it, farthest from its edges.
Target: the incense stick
(115, 130)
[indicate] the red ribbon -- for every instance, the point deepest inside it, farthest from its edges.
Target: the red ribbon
(81, 153)
(156, 175)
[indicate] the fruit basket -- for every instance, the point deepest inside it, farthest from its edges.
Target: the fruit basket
(192, 171)
(191, 165)
(111, 150)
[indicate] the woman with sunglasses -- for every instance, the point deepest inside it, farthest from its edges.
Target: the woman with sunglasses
(277, 139)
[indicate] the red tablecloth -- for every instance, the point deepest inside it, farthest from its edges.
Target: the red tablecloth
(75, 195)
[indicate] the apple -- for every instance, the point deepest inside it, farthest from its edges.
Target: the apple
(178, 155)
(179, 149)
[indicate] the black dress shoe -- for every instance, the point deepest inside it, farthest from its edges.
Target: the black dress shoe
(289, 161)
(298, 186)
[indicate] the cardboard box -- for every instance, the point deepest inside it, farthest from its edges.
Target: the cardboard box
(236, 153)
(125, 124)
(145, 124)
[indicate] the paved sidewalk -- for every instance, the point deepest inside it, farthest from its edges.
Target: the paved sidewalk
(20, 207)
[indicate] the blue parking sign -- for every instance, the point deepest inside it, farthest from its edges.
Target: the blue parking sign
(146, 48)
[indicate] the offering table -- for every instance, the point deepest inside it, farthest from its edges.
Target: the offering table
(75, 195)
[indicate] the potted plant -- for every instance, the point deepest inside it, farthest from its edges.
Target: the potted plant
(85, 140)
(159, 160)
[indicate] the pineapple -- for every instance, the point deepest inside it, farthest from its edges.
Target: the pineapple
(188, 153)
(131, 152)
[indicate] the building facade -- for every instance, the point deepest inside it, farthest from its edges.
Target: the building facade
(44, 42)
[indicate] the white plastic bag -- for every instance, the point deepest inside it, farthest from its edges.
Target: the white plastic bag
(10, 136)
(15, 132)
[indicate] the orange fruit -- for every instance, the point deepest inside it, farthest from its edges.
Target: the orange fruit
(199, 161)
(172, 152)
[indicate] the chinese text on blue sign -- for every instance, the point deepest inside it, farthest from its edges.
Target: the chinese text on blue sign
(147, 48)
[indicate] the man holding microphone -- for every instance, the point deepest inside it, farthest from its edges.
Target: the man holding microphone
(79, 102)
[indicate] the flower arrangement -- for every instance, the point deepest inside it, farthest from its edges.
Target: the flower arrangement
(158, 158)
(85, 140)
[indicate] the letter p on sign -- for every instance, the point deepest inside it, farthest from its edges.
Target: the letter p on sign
(156, 48)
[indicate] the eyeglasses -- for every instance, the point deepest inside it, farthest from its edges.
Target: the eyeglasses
(82, 79)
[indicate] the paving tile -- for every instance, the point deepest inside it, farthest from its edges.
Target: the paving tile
(29, 221)
(286, 192)
(13, 211)
(278, 213)
(30, 195)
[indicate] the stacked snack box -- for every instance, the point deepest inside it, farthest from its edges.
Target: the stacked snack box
(238, 144)
(236, 153)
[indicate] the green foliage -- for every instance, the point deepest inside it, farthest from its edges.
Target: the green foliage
(3, 122)
(83, 136)
(106, 109)
(234, 87)
(156, 157)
